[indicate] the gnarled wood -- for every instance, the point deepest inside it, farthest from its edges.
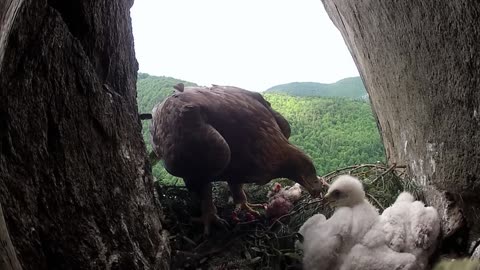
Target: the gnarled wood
(420, 62)
(8, 258)
(76, 190)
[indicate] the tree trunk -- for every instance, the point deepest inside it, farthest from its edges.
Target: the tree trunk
(75, 187)
(8, 258)
(420, 62)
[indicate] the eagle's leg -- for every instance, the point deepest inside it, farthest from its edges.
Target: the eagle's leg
(240, 199)
(209, 211)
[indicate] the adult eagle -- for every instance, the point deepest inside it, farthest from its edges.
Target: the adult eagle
(224, 133)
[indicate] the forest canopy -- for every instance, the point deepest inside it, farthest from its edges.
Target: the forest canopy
(334, 131)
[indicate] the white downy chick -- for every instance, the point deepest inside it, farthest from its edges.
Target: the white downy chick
(314, 220)
(423, 232)
(403, 238)
(424, 226)
(327, 243)
(378, 248)
(373, 253)
(395, 221)
(347, 191)
(378, 258)
(405, 197)
(411, 227)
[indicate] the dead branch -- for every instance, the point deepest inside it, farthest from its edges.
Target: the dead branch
(384, 173)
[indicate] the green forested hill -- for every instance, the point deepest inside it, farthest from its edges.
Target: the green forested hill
(348, 87)
(335, 132)
(153, 89)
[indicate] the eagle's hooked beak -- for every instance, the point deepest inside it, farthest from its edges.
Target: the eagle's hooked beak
(315, 185)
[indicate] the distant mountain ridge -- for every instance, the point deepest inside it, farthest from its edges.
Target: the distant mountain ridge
(349, 87)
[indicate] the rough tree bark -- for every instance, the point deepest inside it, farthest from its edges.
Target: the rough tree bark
(74, 183)
(8, 257)
(420, 62)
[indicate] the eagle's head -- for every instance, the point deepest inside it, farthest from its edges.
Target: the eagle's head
(299, 167)
(306, 175)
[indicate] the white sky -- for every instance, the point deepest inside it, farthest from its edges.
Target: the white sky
(252, 44)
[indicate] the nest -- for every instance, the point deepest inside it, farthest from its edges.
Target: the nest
(261, 243)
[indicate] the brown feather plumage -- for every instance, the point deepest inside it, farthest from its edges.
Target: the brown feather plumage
(225, 133)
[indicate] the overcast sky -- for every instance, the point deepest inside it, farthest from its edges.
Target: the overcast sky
(253, 44)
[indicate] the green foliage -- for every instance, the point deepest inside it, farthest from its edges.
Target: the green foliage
(348, 87)
(458, 264)
(335, 132)
(154, 89)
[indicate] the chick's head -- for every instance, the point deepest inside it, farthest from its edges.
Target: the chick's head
(345, 191)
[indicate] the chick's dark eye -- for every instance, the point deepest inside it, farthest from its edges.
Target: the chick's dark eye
(336, 193)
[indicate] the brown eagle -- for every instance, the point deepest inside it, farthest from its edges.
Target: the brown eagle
(224, 133)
